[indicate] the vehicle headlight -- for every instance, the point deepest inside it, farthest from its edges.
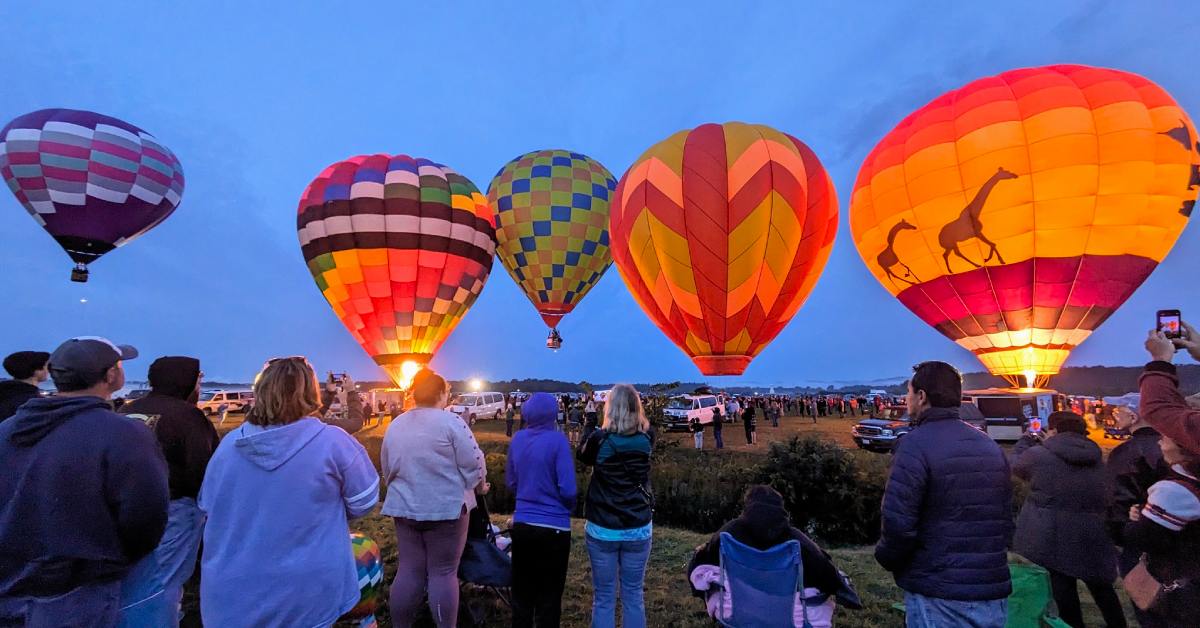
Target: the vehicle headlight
(886, 432)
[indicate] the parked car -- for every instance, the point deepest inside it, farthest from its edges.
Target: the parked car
(480, 405)
(680, 410)
(882, 433)
(234, 400)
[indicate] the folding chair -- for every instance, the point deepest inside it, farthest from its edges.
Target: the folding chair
(762, 584)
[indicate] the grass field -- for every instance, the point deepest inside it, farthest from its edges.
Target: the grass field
(668, 595)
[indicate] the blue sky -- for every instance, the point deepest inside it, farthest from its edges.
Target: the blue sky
(255, 101)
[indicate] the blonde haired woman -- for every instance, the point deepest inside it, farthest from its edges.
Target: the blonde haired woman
(619, 508)
(432, 466)
(279, 493)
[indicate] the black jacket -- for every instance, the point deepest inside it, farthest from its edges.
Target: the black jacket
(947, 512)
(188, 439)
(83, 496)
(1062, 523)
(14, 393)
(1133, 467)
(618, 494)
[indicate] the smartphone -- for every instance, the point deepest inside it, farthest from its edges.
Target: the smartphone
(1170, 323)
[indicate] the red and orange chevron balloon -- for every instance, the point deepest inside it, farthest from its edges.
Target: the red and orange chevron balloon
(1017, 213)
(721, 232)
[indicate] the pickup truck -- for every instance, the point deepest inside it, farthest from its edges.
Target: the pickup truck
(883, 432)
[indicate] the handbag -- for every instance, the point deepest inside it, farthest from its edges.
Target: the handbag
(1145, 590)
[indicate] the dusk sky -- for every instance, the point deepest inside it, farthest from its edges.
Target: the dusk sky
(257, 100)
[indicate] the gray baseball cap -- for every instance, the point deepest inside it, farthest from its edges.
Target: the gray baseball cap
(88, 357)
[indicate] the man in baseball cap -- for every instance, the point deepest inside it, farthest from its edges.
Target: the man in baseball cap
(106, 478)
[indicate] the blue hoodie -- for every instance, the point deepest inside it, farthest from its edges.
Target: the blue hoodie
(540, 469)
(277, 542)
(83, 495)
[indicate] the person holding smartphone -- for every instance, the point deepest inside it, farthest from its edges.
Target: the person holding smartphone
(1162, 404)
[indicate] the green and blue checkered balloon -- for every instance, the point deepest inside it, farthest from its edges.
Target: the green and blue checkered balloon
(552, 226)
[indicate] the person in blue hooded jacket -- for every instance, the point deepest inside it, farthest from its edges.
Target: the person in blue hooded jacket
(279, 493)
(947, 511)
(541, 473)
(83, 494)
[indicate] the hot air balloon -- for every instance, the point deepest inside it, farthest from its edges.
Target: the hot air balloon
(400, 247)
(552, 228)
(92, 182)
(720, 232)
(1015, 214)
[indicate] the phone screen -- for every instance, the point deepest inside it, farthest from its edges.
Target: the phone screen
(1169, 323)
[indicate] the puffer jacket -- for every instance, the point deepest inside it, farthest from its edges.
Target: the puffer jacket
(947, 512)
(618, 494)
(1062, 525)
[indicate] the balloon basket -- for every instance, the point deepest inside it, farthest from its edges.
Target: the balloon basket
(554, 340)
(79, 274)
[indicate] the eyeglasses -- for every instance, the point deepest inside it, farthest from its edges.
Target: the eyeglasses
(292, 358)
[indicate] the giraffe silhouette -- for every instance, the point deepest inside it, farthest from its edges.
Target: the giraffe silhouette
(1183, 135)
(968, 225)
(888, 258)
(1180, 134)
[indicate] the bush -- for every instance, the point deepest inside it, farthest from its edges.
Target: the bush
(700, 492)
(830, 493)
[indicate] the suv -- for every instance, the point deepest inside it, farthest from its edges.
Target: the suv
(883, 432)
(680, 410)
(234, 400)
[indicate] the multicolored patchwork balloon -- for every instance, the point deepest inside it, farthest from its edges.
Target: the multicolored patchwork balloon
(552, 227)
(721, 232)
(368, 562)
(93, 182)
(1017, 213)
(400, 247)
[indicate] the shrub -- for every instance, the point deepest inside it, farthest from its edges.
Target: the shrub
(829, 492)
(700, 492)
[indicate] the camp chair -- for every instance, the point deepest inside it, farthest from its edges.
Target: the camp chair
(762, 584)
(483, 563)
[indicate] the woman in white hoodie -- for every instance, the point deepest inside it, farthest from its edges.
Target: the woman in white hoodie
(432, 466)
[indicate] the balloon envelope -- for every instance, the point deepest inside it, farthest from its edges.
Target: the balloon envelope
(552, 210)
(400, 247)
(92, 181)
(1015, 214)
(721, 232)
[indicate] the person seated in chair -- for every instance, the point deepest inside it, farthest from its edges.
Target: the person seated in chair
(764, 524)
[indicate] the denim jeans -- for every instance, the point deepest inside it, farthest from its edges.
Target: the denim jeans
(153, 589)
(626, 561)
(932, 612)
(92, 605)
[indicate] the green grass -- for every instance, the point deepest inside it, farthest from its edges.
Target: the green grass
(668, 594)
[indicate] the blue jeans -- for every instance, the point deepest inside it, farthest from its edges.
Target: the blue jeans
(931, 612)
(89, 606)
(152, 590)
(611, 560)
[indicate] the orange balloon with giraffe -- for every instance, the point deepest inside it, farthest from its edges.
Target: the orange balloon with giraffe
(1017, 213)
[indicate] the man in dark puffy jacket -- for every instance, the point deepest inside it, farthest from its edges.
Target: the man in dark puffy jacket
(150, 594)
(947, 516)
(28, 369)
(83, 495)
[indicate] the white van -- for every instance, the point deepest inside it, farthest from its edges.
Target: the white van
(235, 400)
(680, 410)
(480, 405)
